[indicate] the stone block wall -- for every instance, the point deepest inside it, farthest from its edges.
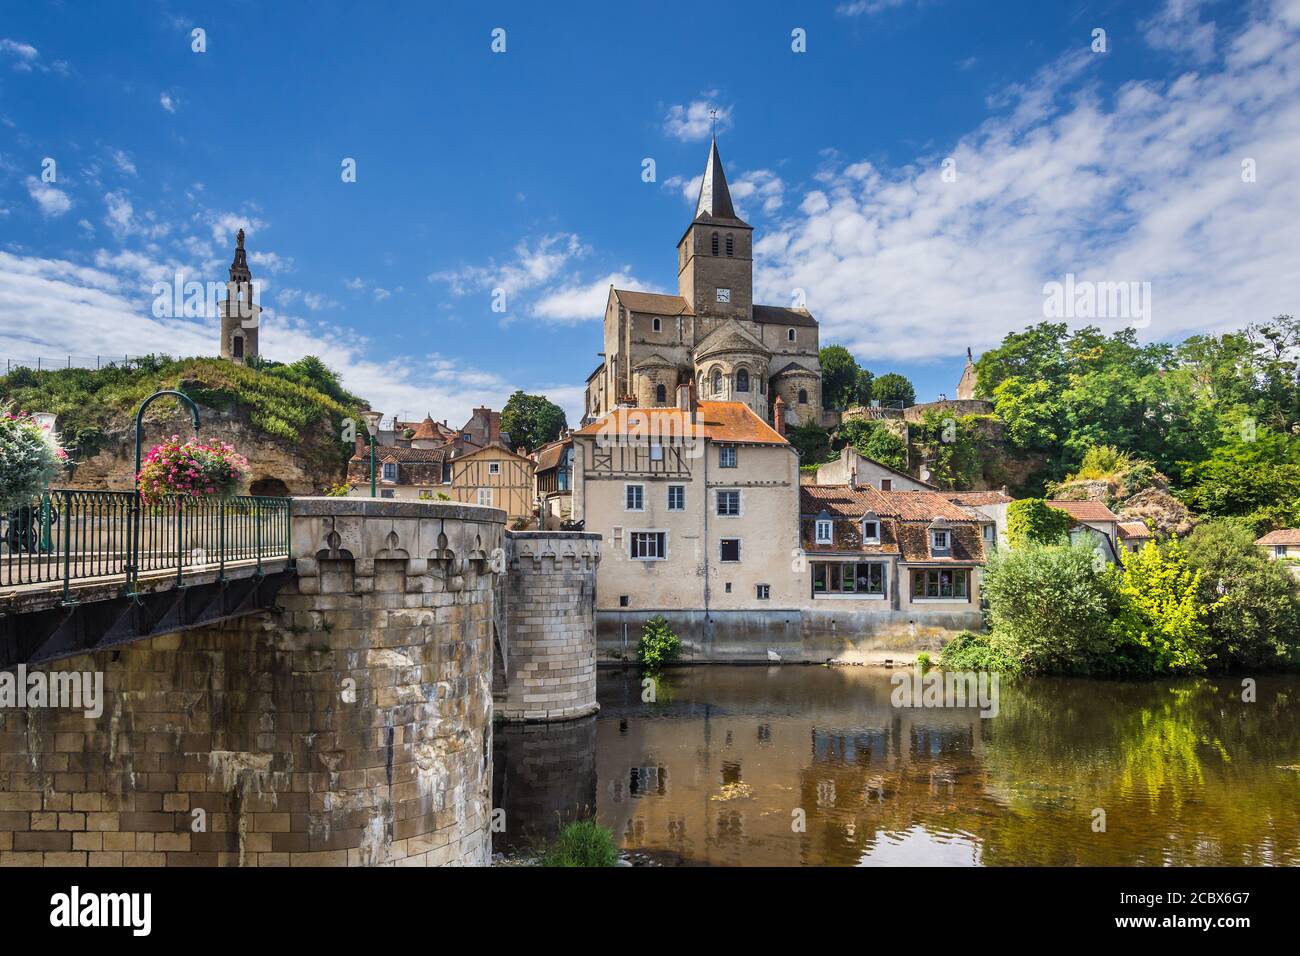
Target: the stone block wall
(550, 598)
(351, 726)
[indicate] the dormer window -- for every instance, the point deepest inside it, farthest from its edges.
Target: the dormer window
(870, 529)
(825, 533)
(940, 537)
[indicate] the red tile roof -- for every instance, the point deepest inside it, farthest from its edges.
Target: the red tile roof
(1289, 536)
(924, 506)
(1134, 529)
(1085, 510)
(730, 422)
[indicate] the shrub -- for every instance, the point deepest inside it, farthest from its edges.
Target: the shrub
(29, 459)
(1034, 521)
(924, 662)
(582, 843)
(1161, 624)
(1050, 607)
(1254, 619)
(659, 645)
(975, 652)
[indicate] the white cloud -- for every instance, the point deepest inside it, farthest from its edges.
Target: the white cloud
(51, 201)
(168, 102)
(119, 213)
(534, 264)
(123, 161)
(585, 302)
(868, 8)
(24, 54)
(1145, 185)
(762, 186)
(692, 122)
(271, 262)
(1177, 27)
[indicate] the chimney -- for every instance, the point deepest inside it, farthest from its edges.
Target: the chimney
(778, 415)
(684, 402)
(853, 479)
(1004, 489)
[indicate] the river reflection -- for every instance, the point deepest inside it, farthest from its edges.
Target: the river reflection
(788, 766)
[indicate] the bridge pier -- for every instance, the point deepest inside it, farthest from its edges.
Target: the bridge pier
(550, 619)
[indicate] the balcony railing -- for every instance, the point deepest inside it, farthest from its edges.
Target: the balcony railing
(68, 536)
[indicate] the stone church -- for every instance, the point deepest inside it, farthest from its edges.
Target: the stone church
(239, 314)
(711, 333)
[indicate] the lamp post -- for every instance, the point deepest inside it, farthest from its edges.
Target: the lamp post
(45, 422)
(132, 569)
(372, 418)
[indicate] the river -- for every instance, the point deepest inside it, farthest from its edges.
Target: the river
(814, 766)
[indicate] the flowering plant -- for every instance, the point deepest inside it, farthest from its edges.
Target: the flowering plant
(30, 457)
(192, 469)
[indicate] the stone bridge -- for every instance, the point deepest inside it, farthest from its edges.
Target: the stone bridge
(348, 721)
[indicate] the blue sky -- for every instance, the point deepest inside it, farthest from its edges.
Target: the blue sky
(522, 170)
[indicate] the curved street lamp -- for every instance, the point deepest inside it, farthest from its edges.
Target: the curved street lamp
(131, 569)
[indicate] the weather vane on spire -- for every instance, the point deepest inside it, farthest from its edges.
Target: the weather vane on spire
(713, 121)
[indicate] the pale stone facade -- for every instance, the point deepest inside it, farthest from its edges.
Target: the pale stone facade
(711, 333)
(240, 315)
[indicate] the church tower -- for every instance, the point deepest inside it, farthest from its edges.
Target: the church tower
(715, 258)
(240, 315)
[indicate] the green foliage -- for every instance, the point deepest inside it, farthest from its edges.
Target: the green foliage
(924, 662)
(532, 420)
(892, 388)
(812, 442)
(976, 652)
(950, 447)
(1161, 627)
(1050, 608)
(1033, 521)
(1254, 618)
(659, 645)
(582, 843)
(294, 402)
(1258, 480)
(1103, 462)
(844, 383)
(874, 440)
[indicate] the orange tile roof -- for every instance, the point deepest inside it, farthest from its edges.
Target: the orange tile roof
(841, 501)
(925, 506)
(1134, 529)
(427, 429)
(731, 422)
(1281, 536)
(975, 498)
(1085, 510)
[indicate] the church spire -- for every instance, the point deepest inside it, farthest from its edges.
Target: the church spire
(715, 198)
(239, 268)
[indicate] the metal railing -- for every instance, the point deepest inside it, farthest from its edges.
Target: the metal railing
(68, 536)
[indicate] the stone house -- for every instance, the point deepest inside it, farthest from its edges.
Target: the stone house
(711, 332)
(892, 560)
(852, 468)
(990, 509)
(1133, 535)
(698, 507)
(553, 477)
(1281, 545)
(1094, 523)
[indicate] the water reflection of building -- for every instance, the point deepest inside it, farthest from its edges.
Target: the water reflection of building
(732, 777)
(544, 775)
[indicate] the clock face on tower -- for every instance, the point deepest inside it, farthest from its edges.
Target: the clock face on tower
(724, 295)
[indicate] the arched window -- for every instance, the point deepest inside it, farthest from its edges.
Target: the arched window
(657, 325)
(237, 347)
(715, 243)
(730, 244)
(762, 386)
(789, 335)
(661, 394)
(742, 380)
(803, 396)
(716, 387)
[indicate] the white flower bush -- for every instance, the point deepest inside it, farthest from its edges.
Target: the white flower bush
(30, 457)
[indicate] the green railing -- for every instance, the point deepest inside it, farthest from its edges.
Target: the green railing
(70, 536)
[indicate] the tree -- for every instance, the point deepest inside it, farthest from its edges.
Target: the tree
(865, 387)
(1050, 608)
(873, 440)
(812, 442)
(893, 388)
(1256, 479)
(1033, 521)
(532, 420)
(839, 377)
(1161, 626)
(1256, 620)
